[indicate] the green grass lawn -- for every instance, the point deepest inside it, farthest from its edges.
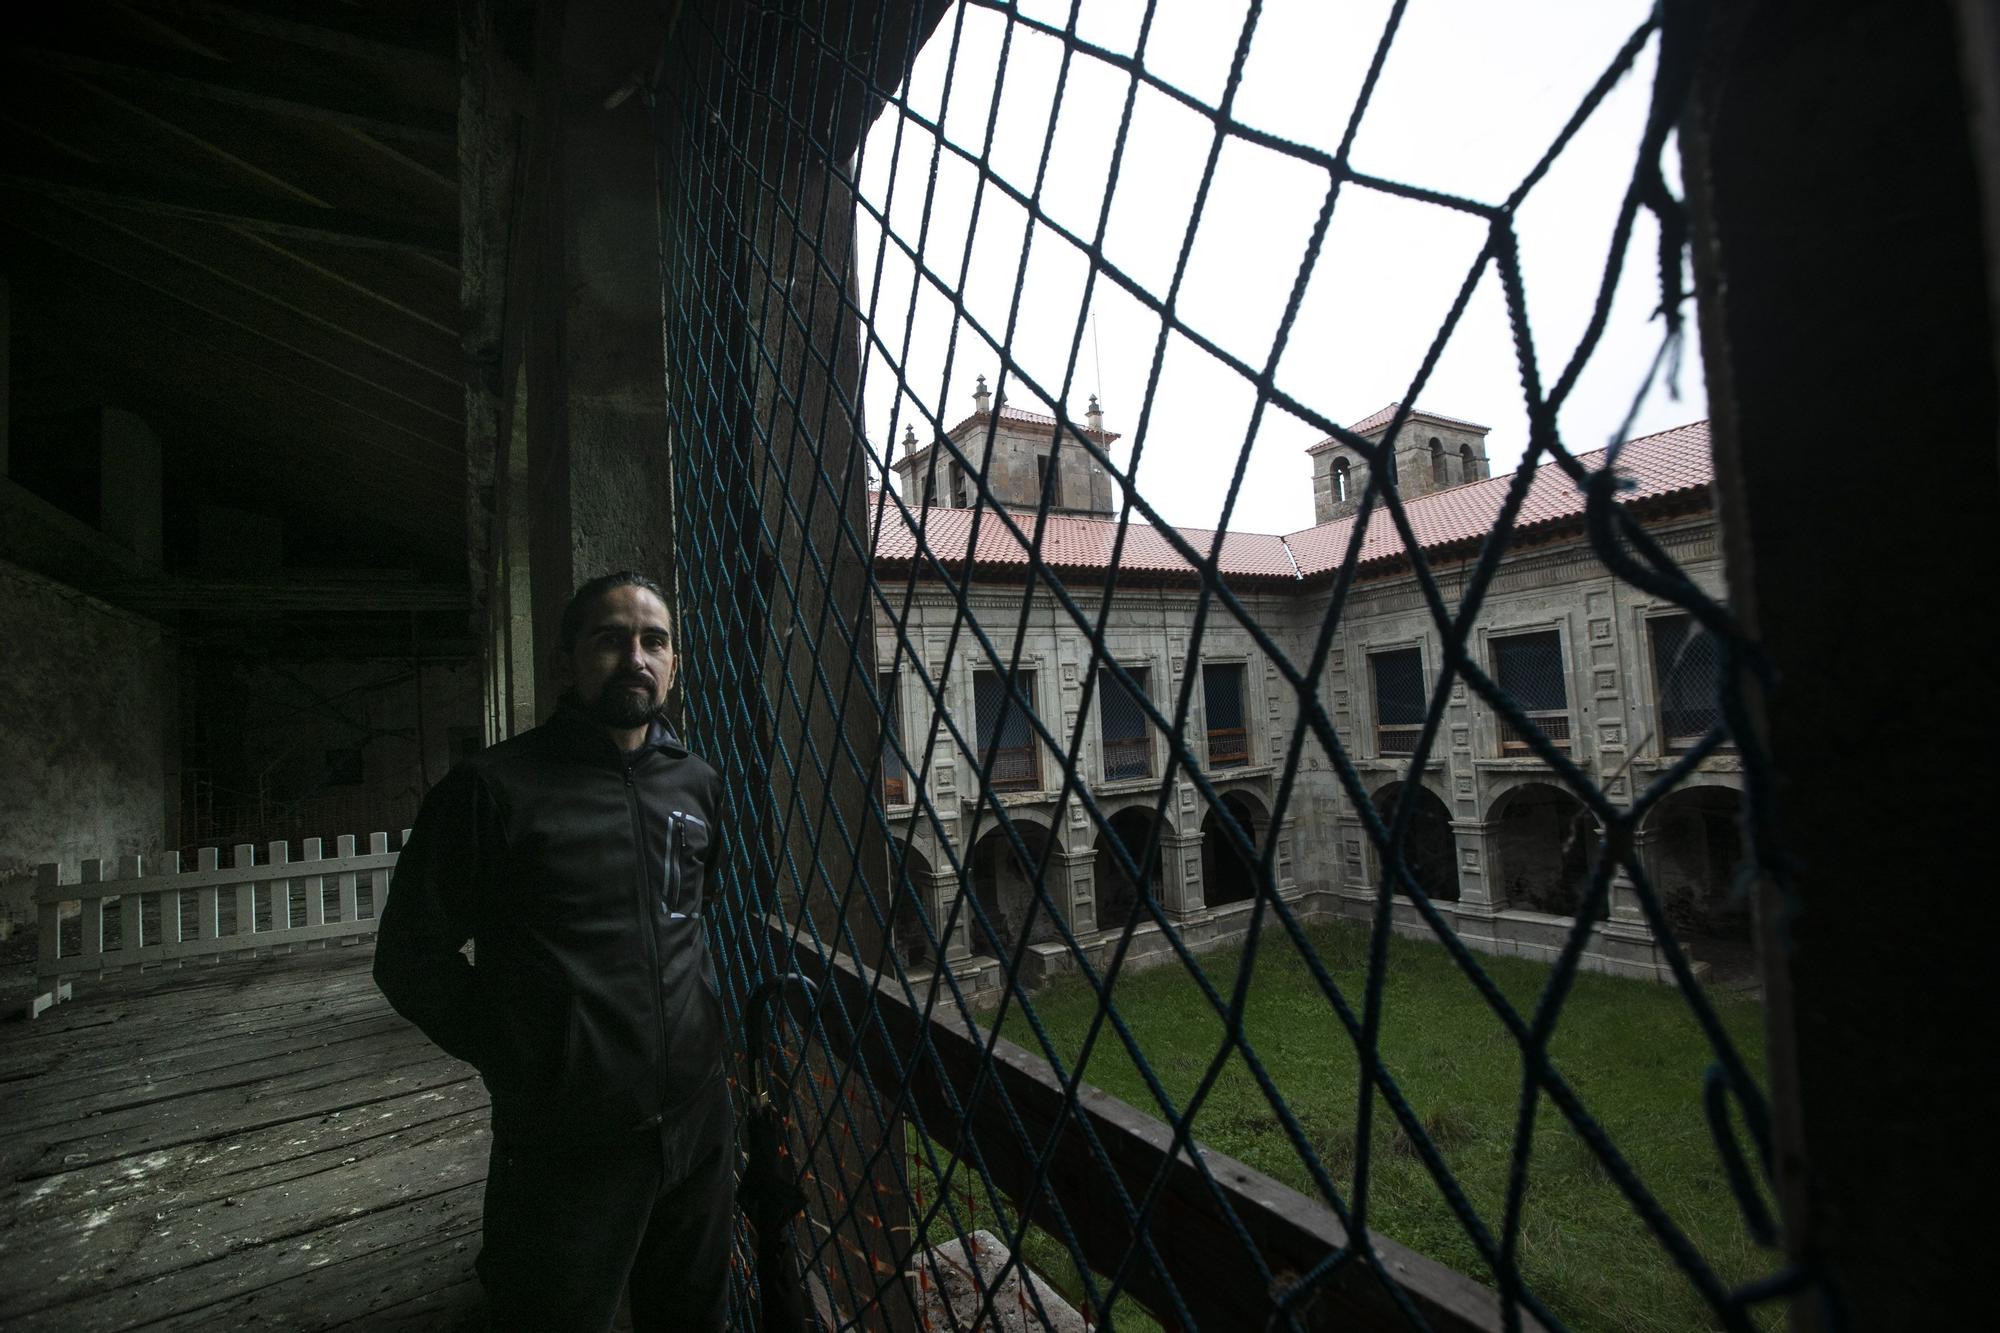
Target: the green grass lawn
(1630, 1049)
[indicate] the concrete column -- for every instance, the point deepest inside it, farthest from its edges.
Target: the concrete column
(1625, 910)
(943, 891)
(1180, 877)
(599, 465)
(6, 368)
(1076, 888)
(1478, 889)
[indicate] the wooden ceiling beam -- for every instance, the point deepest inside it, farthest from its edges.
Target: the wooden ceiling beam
(128, 191)
(183, 374)
(334, 29)
(136, 256)
(290, 92)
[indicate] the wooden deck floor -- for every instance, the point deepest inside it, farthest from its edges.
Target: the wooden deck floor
(254, 1144)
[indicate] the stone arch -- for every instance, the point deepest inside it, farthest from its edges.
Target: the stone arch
(1543, 842)
(912, 888)
(1693, 844)
(1117, 895)
(1468, 468)
(1430, 847)
(1005, 886)
(1227, 876)
(1439, 476)
(1343, 481)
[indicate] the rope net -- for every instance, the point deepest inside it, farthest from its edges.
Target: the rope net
(932, 816)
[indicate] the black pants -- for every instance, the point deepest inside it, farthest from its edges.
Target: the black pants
(567, 1228)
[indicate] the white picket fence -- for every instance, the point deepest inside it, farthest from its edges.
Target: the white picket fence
(132, 917)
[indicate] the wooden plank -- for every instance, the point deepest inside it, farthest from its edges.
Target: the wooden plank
(217, 875)
(378, 880)
(258, 213)
(223, 946)
(207, 914)
(91, 907)
(315, 886)
(244, 857)
(131, 929)
(270, 1144)
(171, 924)
(349, 904)
(303, 93)
(1209, 1269)
(279, 891)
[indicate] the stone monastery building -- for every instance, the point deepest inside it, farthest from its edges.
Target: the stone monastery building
(1622, 682)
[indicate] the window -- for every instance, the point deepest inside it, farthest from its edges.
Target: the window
(1046, 478)
(961, 486)
(1468, 469)
(1399, 699)
(1340, 481)
(895, 778)
(1004, 732)
(1685, 667)
(1128, 748)
(930, 488)
(1438, 472)
(1529, 667)
(1222, 693)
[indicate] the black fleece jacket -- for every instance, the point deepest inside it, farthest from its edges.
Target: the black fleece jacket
(580, 871)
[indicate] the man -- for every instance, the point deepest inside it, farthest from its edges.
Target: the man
(576, 856)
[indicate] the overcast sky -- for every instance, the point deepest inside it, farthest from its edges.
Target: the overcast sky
(1471, 96)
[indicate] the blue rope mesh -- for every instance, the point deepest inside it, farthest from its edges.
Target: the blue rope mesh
(779, 512)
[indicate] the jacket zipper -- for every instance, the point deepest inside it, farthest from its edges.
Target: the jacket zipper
(650, 930)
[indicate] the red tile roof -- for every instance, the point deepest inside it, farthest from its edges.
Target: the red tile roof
(1074, 542)
(1376, 420)
(1672, 462)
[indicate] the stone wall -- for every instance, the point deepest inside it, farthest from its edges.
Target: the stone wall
(86, 703)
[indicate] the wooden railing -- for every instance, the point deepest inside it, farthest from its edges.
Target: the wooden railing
(1128, 757)
(1228, 747)
(129, 918)
(1554, 724)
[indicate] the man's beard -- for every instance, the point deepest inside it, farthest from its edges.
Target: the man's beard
(617, 706)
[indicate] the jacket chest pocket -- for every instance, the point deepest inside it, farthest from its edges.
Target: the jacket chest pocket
(686, 865)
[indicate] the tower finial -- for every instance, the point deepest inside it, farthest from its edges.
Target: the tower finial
(1093, 416)
(980, 398)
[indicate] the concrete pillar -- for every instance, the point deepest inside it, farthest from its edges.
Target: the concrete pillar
(1625, 910)
(944, 890)
(129, 489)
(1075, 888)
(1180, 877)
(6, 368)
(598, 461)
(1478, 889)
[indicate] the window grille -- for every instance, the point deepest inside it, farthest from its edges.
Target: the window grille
(1529, 667)
(1122, 730)
(895, 777)
(1222, 697)
(1400, 703)
(922, 1110)
(1685, 667)
(1006, 736)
